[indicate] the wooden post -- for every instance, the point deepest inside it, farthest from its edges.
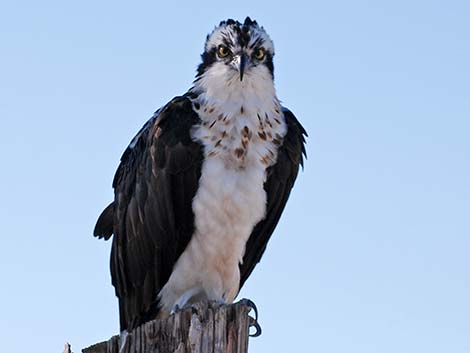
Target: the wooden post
(205, 328)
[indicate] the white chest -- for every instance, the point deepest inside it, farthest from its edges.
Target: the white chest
(240, 143)
(231, 200)
(240, 139)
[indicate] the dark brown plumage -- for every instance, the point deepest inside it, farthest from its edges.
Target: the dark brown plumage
(151, 216)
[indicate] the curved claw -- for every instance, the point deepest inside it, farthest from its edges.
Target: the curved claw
(251, 305)
(175, 309)
(254, 323)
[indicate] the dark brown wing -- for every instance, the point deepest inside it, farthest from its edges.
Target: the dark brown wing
(153, 219)
(280, 179)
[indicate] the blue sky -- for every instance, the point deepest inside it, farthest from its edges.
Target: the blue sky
(372, 253)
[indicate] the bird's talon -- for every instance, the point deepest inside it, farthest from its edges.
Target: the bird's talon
(251, 305)
(175, 309)
(194, 309)
(254, 323)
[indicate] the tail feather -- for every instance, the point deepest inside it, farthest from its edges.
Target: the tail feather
(104, 224)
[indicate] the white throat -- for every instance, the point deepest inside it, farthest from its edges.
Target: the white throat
(242, 121)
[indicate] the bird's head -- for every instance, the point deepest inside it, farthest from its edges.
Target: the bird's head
(236, 52)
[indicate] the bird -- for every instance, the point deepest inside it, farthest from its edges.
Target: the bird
(201, 187)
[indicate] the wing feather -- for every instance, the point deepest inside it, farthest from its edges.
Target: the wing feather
(280, 180)
(152, 216)
(153, 219)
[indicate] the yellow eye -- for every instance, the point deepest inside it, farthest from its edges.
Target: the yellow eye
(259, 54)
(223, 51)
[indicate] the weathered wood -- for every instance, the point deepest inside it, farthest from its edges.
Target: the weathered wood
(205, 328)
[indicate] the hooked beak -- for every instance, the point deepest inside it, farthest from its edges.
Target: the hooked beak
(241, 69)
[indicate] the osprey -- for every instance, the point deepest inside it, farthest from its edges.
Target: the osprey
(202, 185)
